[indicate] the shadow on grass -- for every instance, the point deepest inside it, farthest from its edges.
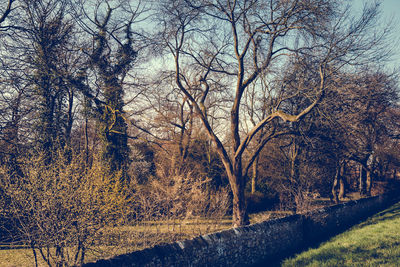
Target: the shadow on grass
(389, 214)
(360, 253)
(333, 256)
(339, 256)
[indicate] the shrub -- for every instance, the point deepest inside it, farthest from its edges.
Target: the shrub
(58, 208)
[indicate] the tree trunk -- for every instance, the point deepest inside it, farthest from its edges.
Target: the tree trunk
(239, 212)
(362, 184)
(294, 168)
(83, 255)
(342, 188)
(34, 253)
(342, 182)
(86, 140)
(254, 175)
(335, 185)
(370, 173)
(368, 183)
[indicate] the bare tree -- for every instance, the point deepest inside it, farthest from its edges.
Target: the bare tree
(229, 44)
(367, 99)
(171, 121)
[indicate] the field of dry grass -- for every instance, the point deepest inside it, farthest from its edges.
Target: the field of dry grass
(125, 239)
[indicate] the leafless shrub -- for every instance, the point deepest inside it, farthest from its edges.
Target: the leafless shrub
(58, 209)
(173, 207)
(296, 196)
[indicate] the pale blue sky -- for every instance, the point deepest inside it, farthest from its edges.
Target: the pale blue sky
(390, 12)
(391, 9)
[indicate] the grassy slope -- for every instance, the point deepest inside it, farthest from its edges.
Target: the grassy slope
(375, 242)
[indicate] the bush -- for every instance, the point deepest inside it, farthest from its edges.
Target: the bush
(180, 197)
(57, 209)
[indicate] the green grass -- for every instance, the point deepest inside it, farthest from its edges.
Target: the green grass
(375, 242)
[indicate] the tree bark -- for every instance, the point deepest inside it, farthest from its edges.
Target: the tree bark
(335, 185)
(368, 183)
(342, 181)
(370, 174)
(254, 175)
(70, 118)
(339, 183)
(342, 188)
(362, 182)
(239, 209)
(294, 162)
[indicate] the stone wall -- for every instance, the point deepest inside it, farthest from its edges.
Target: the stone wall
(262, 242)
